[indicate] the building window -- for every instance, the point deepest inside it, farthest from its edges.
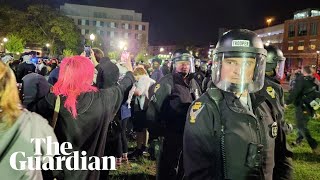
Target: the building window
(129, 26)
(136, 27)
(79, 21)
(112, 34)
(138, 36)
(312, 45)
(314, 28)
(100, 32)
(301, 46)
(113, 25)
(302, 29)
(83, 31)
(94, 23)
(87, 22)
(125, 26)
(291, 32)
(143, 27)
(290, 46)
(140, 27)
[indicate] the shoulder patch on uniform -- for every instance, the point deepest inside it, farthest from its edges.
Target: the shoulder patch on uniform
(195, 110)
(271, 92)
(156, 88)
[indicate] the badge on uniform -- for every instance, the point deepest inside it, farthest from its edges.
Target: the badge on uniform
(156, 88)
(274, 130)
(271, 92)
(195, 110)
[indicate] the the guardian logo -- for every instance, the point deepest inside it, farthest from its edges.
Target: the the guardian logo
(54, 159)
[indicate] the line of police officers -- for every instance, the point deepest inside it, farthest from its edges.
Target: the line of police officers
(235, 130)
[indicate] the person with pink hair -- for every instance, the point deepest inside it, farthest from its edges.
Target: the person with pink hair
(85, 111)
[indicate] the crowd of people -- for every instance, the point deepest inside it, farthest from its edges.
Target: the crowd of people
(196, 111)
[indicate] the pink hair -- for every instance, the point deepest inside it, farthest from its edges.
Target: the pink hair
(75, 77)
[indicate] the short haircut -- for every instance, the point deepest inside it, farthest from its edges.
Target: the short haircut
(139, 71)
(307, 69)
(98, 53)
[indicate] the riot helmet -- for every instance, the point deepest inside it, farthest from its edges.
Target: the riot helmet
(239, 62)
(156, 62)
(204, 67)
(275, 61)
(178, 52)
(197, 63)
(182, 62)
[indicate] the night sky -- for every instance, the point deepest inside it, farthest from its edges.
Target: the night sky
(197, 21)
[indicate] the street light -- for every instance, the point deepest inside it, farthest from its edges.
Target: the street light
(161, 49)
(92, 37)
(48, 45)
(4, 44)
(122, 45)
(269, 21)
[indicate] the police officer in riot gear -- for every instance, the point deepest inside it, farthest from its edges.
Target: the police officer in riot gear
(199, 75)
(168, 106)
(303, 88)
(273, 92)
(230, 130)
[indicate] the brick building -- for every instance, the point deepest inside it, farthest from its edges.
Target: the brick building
(301, 39)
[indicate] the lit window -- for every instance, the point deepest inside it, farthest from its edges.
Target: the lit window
(301, 46)
(312, 45)
(290, 46)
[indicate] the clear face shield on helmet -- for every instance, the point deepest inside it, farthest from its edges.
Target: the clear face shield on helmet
(238, 72)
(183, 64)
(280, 69)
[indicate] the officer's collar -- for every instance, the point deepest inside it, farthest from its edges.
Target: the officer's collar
(178, 78)
(234, 103)
(272, 79)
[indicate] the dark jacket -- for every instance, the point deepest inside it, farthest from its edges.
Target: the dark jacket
(107, 72)
(35, 87)
(199, 77)
(229, 143)
(171, 100)
(303, 86)
(88, 132)
(24, 69)
(156, 75)
(165, 70)
(53, 76)
(273, 92)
